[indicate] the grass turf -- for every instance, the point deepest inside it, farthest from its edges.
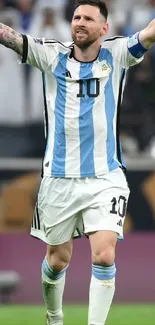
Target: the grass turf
(77, 315)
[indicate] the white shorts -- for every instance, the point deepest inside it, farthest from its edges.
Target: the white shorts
(69, 207)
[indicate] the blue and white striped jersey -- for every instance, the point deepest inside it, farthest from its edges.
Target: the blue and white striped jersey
(81, 105)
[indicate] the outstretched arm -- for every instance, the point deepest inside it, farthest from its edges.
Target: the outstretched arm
(11, 39)
(147, 35)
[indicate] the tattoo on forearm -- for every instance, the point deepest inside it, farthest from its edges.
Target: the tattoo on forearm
(11, 39)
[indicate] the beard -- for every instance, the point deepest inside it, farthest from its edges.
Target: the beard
(82, 44)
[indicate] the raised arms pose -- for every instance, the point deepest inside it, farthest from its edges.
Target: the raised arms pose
(14, 40)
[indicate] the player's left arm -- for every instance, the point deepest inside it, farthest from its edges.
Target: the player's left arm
(147, 35)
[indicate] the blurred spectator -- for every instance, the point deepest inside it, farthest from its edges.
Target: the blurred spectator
(25, 9)
(26, 14)
(47, 23)
(115, 18)
(138, 107)
(17, 132)
(138, 113)
(69, 10)
(12, 112)
(137, 17)
(9, 3)
(1, 4)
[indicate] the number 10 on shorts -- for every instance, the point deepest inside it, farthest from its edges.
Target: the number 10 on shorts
(119, 206)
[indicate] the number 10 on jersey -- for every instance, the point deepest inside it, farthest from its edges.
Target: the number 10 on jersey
(86, 87)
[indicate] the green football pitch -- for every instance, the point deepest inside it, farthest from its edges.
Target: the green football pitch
(77, 315)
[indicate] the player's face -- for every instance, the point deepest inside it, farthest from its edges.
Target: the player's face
(88, 25)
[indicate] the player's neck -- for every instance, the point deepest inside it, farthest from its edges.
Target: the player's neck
(87, 55)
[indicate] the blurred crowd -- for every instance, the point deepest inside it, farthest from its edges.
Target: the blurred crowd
(21, 97)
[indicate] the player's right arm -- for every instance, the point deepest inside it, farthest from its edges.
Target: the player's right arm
(33, 51)
(11, 39)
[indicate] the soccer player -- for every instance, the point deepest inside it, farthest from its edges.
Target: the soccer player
(84, 188)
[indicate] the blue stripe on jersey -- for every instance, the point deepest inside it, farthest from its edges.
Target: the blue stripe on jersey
(86, 126)
(110, 107)
(59, 151)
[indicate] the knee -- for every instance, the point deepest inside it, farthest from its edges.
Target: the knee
(57, 263)
(58, 260)
(105, 257)
(58, 257)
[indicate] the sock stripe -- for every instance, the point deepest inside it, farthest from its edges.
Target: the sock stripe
(50, 272)
(104, 272)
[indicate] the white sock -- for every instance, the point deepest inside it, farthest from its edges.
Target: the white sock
(53, 295)
(100, 298)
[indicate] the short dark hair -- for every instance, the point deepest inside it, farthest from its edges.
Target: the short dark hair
(96, 3)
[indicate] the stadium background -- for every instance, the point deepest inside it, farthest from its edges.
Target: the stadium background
(21, 150)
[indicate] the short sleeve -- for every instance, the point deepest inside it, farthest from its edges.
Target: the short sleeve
(123, 51)
(38, 53)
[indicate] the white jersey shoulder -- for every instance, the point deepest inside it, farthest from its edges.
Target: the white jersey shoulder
(118, 46)
(58, 44)
(112, 40)
(41, 52)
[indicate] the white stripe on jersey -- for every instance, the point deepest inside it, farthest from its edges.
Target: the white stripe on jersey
(72, 113)
(50, 126)
(50, 82)
(100, 133)
(116, 76)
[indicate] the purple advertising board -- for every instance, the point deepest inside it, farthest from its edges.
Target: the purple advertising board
(135, 261)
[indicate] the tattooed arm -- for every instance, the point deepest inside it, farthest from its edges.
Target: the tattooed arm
(11, 39)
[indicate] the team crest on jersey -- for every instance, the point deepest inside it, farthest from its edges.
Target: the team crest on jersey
(106, 66)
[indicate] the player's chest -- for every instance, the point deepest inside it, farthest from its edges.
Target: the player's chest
(75, 70)
(83, 79)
